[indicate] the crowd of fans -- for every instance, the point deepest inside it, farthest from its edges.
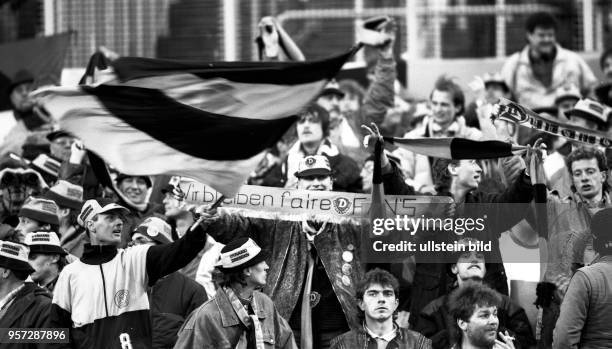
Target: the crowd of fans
(138, 267)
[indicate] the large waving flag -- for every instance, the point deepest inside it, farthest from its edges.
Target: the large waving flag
(457, 148)
(207, 121)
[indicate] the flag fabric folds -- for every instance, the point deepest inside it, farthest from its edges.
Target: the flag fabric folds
(457, 148)
(207, 121)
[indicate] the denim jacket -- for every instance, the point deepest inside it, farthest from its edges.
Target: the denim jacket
(215, 324)
(360, 339)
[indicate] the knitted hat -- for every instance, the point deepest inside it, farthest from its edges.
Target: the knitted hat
(93, 207)
(239, 254)
(155, 229)
(66, 194)
(42, 210)
(14, 256)
(45, 242)
(122, 176)
(314, 165)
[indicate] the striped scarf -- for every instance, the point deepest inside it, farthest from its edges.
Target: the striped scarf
(250, 321)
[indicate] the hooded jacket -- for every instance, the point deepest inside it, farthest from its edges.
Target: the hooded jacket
(30, 309)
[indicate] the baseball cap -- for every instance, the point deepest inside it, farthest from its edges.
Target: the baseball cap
(155, 229)
(45, 242)
(314, 165)
(567, 92)
(332, 88)
(122, 176)
(97, 206)
(590, 109)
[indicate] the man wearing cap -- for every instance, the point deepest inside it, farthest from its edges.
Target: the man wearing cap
(586, 311)
(240, 316)
(36, 214)
(19, 90)
(103, 295)
(47, 258)
(173, 297)
(313, 284)
(61, 143)
(22, 304)
(478, 112)
(48, 167)
(436, 322)
(133, 192)
(69, 200)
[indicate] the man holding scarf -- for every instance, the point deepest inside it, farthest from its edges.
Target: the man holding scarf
(240, 316)
(315, 263)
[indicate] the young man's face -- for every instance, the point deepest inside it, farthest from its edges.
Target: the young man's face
(19, 96)
(379, 302)
(60, 147)
(332, 103)
(470, 265)
(542, 40)
(320, 183)
(42, 265)
(468, 173)
(171, 204)
(257, 274)
(107, 228)
(443, 109)
(135, 188)
(587, 178)
(28, 225)
(309, 129)
(481, 327)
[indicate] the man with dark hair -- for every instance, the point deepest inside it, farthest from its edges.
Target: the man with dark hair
(586, 311)
(313, 131)
(569, 238)
(47, 258)
(377, 297)
(104, 293)
(474, 309)
(447, 106)
(22, 304)
(435, 320)
(534, 73)
(240, 316)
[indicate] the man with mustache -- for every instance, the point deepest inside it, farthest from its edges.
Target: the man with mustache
(474, 310)
(435, 320)
(534, 73)
(377, 297)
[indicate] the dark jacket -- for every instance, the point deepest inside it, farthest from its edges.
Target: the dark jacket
(288, 247)
(437, 323)
(359, 338)
(431, 280)
(172, 299)
(30, 309)
(216, 325)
